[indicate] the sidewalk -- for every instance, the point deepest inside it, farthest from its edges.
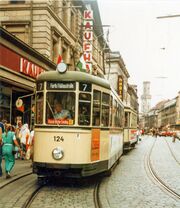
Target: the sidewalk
(20, 167)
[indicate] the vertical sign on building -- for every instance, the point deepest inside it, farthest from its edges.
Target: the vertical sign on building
(88, 39)
(120, 87)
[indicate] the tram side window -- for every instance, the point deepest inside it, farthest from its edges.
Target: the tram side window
(133, 120)
(115, 113)
(96, 107)
(84, 109)
(127, 114)
(120, 116)
(105, 109)
(111, 111)
(39, 108)
(60, 108)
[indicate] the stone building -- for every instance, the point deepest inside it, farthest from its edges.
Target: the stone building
(146, 98)
(117, 74)
(19, 66)
(165, 115)
(54, 28)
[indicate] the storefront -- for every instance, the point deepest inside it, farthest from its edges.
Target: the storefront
(19, 67)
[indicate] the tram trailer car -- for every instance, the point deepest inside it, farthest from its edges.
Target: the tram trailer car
(87, 142)
(130, 129)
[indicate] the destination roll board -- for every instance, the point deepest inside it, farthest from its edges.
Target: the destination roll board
(61, 85)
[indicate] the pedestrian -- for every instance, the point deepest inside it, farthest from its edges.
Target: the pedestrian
(18, 136)
(31, 145)
(24, 136)
(138, 135)
(9, 143)
(1, 132)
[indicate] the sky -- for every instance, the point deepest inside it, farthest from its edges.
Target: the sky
(149, 46)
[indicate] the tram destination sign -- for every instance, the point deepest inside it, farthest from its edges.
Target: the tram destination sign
(61, 85)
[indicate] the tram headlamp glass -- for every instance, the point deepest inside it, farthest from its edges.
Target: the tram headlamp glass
(57, 153)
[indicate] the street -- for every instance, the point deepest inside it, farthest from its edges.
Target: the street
(130, 185)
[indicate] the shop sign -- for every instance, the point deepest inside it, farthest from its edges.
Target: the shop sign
(88, 39)
(29, 68)
(15, 62)
(120, 87)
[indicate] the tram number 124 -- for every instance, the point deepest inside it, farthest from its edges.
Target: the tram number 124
(58, 138)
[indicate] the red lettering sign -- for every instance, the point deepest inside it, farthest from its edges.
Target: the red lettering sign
(88, 25)
(28, 68)
(87, 47)
(88, 35)
(88, 14)
(87, 57)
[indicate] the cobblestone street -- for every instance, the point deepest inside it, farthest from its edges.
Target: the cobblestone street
(130, 184)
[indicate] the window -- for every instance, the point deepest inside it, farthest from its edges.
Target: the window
(17, 1)
(60, 108)
(111, 111)
(105, 109)
(73, 22)
(39, 108)
(127, 114)
(20, 30)
(96, 107)
(84, 109)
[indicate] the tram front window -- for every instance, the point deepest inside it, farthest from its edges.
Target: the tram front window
(60, 108)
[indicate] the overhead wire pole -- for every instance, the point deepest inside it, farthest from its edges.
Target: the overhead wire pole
(168, 16)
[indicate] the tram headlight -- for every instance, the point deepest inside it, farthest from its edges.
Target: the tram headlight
(57, 153)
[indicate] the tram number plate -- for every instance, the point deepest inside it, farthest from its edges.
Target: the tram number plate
(58, 138)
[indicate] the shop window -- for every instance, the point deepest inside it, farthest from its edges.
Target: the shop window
(5, 106)
(84, 109)
(105, 109)
(96, 107)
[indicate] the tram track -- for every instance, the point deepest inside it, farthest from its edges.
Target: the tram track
(152, 174)
(67, 192)
(97, 203)
(13, 179)
(31, 198)
(173, 155)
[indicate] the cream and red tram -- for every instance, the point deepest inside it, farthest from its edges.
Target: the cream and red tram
(90, 140)
(130, 128)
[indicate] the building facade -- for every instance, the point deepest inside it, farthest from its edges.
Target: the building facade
(55, 28)
(117, 74)
(146, 98)
(19, 66)
(165, 115)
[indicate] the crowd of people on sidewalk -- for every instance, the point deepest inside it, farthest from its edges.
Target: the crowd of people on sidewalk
(16, 142)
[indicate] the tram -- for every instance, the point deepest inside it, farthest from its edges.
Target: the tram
(87, 138)
(130, 128)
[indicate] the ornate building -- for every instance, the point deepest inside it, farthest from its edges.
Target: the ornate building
(54, 28)
(146, 98)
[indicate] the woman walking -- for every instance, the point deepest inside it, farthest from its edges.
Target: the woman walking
(9, 143)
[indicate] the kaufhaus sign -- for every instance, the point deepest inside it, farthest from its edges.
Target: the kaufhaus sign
(15, 62)
(88, 39)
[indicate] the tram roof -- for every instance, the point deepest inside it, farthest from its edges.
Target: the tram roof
(73, 76)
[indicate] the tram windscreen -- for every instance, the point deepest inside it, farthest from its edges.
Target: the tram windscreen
(60, 108)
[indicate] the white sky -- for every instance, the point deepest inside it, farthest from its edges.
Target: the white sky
(139, 36)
